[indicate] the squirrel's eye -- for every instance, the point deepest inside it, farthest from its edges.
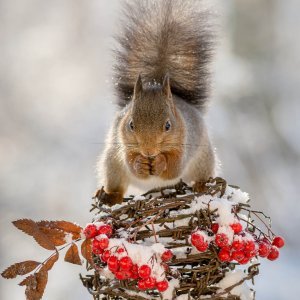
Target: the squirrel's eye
(131, 125)
(168, 126)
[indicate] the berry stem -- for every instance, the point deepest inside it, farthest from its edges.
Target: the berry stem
(256, 213)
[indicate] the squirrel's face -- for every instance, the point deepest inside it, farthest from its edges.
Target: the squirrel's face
(152, 125)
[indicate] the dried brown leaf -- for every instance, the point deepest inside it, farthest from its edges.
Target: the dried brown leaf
(32, 229)
(86, 251)
(50, 262)
(58, 237)
(72, 255)
(35, 285)
(62, 227)
(69, 227)
(21, 268)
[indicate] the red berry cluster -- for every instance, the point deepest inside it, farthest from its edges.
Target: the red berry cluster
(238, 244)
(121, 264)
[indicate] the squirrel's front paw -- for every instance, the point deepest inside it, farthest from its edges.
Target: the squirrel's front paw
(109, 198)
(158, 165)
(142, 166)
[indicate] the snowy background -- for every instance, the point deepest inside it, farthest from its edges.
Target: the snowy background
(56, 106)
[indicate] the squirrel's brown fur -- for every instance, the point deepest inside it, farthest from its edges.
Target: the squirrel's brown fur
(162, 84)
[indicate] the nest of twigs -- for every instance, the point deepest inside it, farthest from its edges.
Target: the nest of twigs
(152, 218)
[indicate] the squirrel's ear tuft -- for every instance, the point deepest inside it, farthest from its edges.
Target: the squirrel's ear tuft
(166, 88)
(138, 87)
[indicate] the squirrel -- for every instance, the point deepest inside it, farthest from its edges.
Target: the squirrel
(162, 82)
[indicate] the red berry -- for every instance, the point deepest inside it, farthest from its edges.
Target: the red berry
(105, 256)
(222, 240)
(120, 250)
(144, 271)
(244, 261)
(264, 249)
(214, 227)
(224, 255)
(90, 231)
(274, 253)
(150, 282)
(197, 239)
(250, 254)
(249, 246)
(203, 247)
(120, 275)
(125, 263)
(134, 272)
(142, 284)
(96, 247)
(103, 242)
(162, 285)
(105, 229)
(237, 245)
(278, 241)
(167, 255)
(238, 255)
(133, 275)
(236, 227)
(135, 268)
(113, 263)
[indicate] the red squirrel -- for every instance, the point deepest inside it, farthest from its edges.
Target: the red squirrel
(162, 82)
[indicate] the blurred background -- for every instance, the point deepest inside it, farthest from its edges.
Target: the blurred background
(56, 106)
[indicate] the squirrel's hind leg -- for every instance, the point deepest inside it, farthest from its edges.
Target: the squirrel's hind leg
(201, 168)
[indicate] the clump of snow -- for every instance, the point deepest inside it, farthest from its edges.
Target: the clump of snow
(236, 195)
(101, 214)
(101, 236)
(98, 224)
(181, 222)
(123, 217)
(224, 207)
(139, 198)
(69, 238)
(231, 278)
(106, 273)
(228, 231)
(183, 297)
(180, 252)
(168, 294)
(139, 293)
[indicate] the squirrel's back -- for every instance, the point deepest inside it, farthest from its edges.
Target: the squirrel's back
(162, 37)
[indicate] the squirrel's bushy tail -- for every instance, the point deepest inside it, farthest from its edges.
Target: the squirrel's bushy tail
(165, 36)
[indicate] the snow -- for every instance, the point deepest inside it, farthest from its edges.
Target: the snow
(180, 252)
(138, 198)
(98, 224)
(237, 195)
(224, 205)
(231, 278)
(183, 297)
(141, 294)
(106, 273)
(168, 294)
(228, 231)
(68, 238)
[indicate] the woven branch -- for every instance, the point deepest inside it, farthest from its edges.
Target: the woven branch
(198, 273)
